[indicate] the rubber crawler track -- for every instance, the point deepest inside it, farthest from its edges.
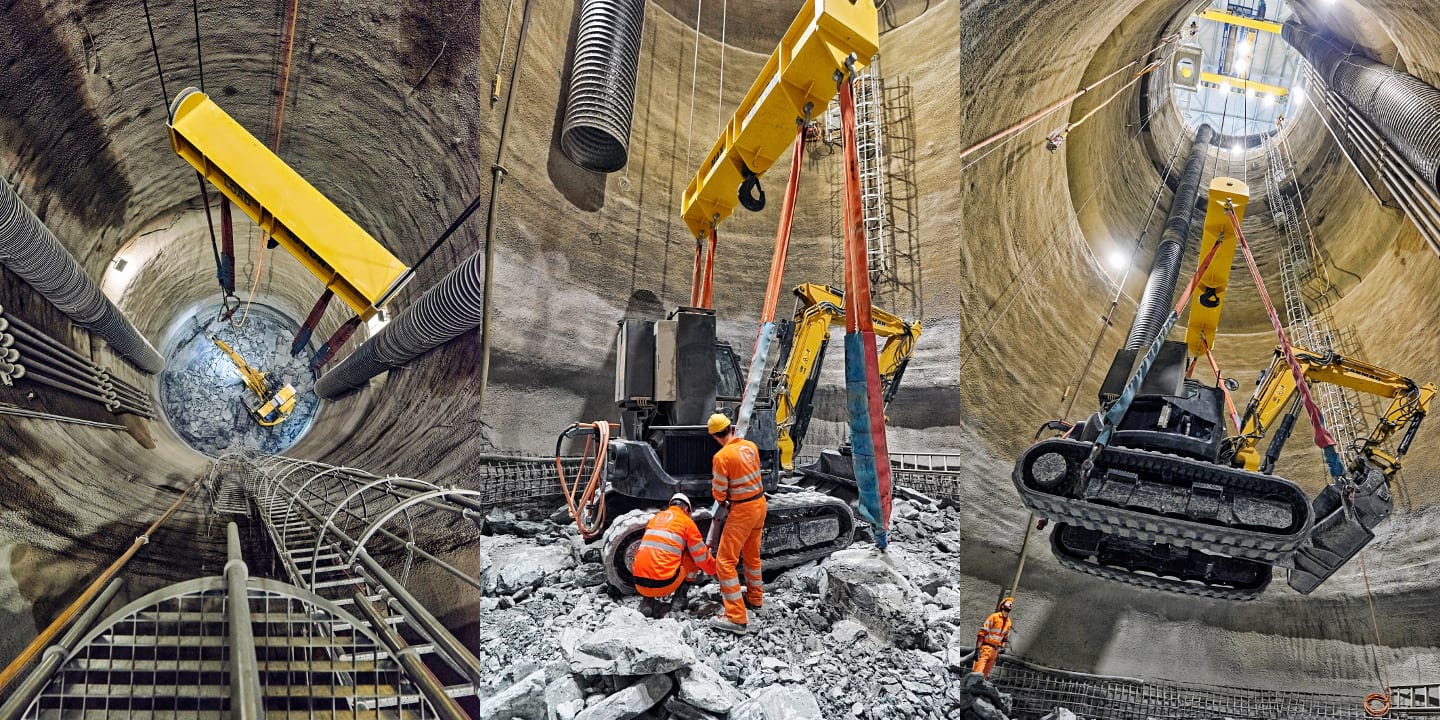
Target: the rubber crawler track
(1268, 547)
(1090, 567)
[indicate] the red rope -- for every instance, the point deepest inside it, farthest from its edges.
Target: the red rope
(1220, 383)
(1323, 439)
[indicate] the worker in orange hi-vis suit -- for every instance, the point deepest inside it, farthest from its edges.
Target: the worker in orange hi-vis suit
(671, 552)
(993, 635)
(737, 483)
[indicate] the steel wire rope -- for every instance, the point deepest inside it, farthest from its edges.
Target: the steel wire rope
(204, 191)
(991, 318)
(1004, 137)
(720, 87)
(694, 72)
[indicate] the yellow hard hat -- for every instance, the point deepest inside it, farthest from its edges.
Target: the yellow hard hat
(718, 423)
(1007, 603)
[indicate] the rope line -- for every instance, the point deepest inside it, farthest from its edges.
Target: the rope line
(155, 50)
(694, 72)
(1376, 704)
(720, 89)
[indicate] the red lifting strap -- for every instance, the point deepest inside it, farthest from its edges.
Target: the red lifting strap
(335, 342)
(302, 337)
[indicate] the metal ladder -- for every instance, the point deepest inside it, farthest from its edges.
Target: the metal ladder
(228, 646)
(1312, 331)
(870, 136)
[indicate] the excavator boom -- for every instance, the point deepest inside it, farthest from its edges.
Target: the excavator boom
(271, 407)
(818, 308)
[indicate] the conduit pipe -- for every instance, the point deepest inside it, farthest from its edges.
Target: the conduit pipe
(29, 249)
(596, 133)
(451, 307)
(1402, 107)
(1158, 298)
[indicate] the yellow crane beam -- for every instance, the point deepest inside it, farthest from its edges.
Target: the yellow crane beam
(302, 220)
(1209, 297)
(800, 73)
(1245, 22)
(1263, 88)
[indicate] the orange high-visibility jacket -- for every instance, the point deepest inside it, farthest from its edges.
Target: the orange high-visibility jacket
(995, 631)
(668, 536)
(736, 473)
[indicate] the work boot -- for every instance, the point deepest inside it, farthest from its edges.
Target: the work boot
(649, 607)
(753, 605)
(681, 599)
(721, 622)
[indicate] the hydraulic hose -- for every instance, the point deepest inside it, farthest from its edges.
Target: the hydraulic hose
(29, 249)
(596, 133)
(1403, 107)
(1157, 300)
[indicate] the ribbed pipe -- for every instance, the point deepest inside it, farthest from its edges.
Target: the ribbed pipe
(29, 249)
(1404, 108)
(447, 310)
(1159, 296)
(596, 133)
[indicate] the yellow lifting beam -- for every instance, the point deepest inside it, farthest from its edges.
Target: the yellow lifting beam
(800, 72)
(1263, 88)
(1209, 298)
(1245, 22)
(302, 220)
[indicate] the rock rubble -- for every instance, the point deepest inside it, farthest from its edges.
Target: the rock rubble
(862, 634)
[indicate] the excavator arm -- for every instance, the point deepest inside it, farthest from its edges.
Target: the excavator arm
(1409, 402)
(818, 308)
(271, 408)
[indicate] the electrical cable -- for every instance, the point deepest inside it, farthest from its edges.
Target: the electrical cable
(1376, 704)
(1022, 277)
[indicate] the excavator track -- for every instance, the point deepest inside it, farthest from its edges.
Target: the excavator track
(1161, 498)
(800, 526)
(1159, 567)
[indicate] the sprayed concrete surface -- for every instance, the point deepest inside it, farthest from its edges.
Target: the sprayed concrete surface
(388, 114)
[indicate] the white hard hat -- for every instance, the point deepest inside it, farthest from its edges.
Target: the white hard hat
(680, 497)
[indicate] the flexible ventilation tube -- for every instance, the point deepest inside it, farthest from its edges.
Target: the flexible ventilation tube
(29, 249)
(447, 310)
(596, 133)
(1403, 107)
(1158, 299)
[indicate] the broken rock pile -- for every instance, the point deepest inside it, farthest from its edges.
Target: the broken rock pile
(863, 634)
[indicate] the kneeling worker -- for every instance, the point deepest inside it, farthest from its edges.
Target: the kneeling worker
(671, 552)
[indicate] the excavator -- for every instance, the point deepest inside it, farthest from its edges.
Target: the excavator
(1170, 502)
(671, 374)
(803, 342)
(273, 402)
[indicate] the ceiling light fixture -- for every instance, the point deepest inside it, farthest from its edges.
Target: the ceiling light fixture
(1118, 259)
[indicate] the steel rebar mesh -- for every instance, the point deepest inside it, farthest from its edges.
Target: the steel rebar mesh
(1038, 691)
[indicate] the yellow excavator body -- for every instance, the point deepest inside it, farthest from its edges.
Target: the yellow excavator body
(271, 407)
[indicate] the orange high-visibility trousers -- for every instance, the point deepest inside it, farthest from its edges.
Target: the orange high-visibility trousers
(744, 527)
(985, 660)
(687, 568)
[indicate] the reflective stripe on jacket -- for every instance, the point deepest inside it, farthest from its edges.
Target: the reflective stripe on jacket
(995, 631)
(736, 475)
(668, 535)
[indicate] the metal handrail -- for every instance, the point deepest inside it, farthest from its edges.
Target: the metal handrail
(246, 699)
(88, 595)
(35, 682)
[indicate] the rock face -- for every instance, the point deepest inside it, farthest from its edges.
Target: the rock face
(704, 689)
(628, 644)
(509, 565)
(865, 584)
(979, 700)
(631, 701)
(523, 699)
(779, 702)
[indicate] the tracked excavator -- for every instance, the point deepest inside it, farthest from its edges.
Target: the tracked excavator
(273, 402)
(1169, 501)
(670, 375)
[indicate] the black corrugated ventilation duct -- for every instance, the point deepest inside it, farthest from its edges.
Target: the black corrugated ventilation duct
(1404, 108)
(1159, 296)
(596, 133)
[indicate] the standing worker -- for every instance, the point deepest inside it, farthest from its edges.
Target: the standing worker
(737, 484)
(671, 552)
(993, 635)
